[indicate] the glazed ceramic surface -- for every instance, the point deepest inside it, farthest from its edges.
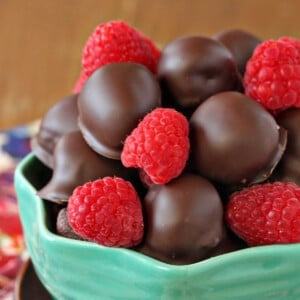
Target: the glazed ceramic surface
(72, 269)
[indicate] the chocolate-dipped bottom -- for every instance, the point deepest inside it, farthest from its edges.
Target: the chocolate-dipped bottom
(183, 220)
(240, 43)
(75, 163)
(193, 68)
(234, 140)
(289, 166)
(112, 102)
(61, 118)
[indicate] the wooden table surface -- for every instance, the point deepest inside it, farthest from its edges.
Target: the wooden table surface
(41, 41)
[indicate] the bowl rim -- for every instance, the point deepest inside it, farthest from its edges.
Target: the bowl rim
(208, 264)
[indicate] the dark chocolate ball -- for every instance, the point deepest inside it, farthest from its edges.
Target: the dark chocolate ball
(289, 165)
(60, 119)
(193, 68)
(240, 43)
(233, 139)
(183, 220)
(112, 102)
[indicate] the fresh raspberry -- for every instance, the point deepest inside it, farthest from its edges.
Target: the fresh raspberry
(116, 41)
(266, 214)
(107, 211)
(159, 145)
(153, 48)
(272, 75)
(80, 83)
(292, 41)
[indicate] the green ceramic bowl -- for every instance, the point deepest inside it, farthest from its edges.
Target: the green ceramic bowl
(72, 269)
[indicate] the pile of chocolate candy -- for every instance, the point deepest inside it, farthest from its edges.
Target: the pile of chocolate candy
(234, 141)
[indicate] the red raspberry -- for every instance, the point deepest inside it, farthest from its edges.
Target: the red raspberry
(272, 75)
(266, 214)
(107, 211)
(116, 41)
(154, 50)
(290, 40)
(159, 145)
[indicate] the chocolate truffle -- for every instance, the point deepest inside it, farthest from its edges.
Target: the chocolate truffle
(183, 220)
(193, 68)
(240, 43)
(112, 102)
(60, 119)
(234, 140)
(75, 163)
(289, 165)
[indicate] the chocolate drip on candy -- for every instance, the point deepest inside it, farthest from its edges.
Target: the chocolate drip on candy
(75, 163)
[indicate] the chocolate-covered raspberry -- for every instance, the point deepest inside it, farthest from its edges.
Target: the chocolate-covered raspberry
(112, 102)
(75, 163)
(184, 220)
(240, 43)
(234, 140)
(193, 68)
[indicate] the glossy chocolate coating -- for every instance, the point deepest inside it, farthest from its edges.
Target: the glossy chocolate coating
(193, 68)
(112, 102)
(75, 163)
(183, 220)
(240, 43)
(60, 119)
(289, 166)
(233, 139)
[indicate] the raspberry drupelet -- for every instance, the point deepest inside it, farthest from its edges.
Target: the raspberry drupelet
(266, 214)
(272, 75)
(159, 145)
(107, 211)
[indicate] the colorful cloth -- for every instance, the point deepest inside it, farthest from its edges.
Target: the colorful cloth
(14, 145)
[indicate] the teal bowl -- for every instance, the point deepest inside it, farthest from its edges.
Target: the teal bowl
(72, 269)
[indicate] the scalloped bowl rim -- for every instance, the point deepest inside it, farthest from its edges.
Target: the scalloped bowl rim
(202, 266)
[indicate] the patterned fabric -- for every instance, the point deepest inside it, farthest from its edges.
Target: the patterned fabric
(14, 145)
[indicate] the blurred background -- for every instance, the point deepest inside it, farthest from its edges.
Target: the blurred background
(41, 41)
